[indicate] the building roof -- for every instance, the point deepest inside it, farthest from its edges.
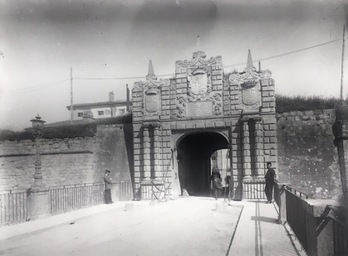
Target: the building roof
(100, 104)
(125, 118)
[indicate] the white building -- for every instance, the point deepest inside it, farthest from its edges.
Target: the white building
(104, 109)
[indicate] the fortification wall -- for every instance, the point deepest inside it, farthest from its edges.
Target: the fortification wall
(307, 157)
(66, 161)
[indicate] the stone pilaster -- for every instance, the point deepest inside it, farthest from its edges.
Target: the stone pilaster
(146, 152)
(158, 165)
(270, 146)
(246, 151)
(259, 165)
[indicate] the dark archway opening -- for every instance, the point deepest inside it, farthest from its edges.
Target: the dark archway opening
(194, 152)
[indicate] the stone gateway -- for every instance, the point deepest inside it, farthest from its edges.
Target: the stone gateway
(178, 123)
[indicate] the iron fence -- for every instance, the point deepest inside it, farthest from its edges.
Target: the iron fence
(254, 189)
(13, 207)
(278, 191)
(68, 198)
(72, 197)
(122, 190)
(14, 204)
(297, 217)
(146, 190)
(339, 230)
(308, 226)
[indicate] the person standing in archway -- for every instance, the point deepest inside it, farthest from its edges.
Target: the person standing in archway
(216, 182)
(269, 179)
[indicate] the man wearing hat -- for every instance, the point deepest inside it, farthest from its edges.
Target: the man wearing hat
(270, 180)
(107, 181)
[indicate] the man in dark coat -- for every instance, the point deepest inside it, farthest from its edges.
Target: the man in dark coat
(216, 182)
(107, 181)
(269, 179)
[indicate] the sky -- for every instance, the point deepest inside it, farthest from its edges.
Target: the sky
(41, 40)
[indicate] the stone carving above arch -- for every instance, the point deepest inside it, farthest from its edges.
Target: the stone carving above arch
(249, 82)
(217, 104)
(151, 93)
(181, 106)
(199, 84)
(198, 59)
(152, 102)
(249, 77)
(199, 99)
(211, 106)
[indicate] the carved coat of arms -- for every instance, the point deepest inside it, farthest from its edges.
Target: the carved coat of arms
(250, 93)
(151, 101)
(249, 82)
(199, 85)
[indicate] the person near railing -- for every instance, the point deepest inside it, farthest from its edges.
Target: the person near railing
(269, 180)
(108, 184)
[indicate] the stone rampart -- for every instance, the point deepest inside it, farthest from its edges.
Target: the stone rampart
(307, 156)
(66, 161)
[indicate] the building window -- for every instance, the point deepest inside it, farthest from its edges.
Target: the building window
(122, 111)
(80, 114)
(100, 113)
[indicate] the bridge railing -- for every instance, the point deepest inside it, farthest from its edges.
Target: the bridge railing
(254, 189)
(320, 227)
(14, 204)
(13, 207)
(338, 217)
(72, 197)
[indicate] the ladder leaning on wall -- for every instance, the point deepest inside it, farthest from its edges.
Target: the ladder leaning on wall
(160, 189)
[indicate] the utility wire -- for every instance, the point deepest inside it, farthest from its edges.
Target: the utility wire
(225, 66)
(300, 50)
(35, 88)
(287, 53)
(117, 78)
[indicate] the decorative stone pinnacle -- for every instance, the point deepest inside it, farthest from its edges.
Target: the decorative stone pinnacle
(198, 44)
(151, 72)
(250, 60)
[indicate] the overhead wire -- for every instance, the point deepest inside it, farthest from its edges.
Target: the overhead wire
(35, 88)
(287, 53)
(116, 78)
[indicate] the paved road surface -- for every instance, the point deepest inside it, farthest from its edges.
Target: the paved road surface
(188, 226)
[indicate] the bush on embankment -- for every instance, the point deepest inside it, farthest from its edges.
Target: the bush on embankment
(301, 103)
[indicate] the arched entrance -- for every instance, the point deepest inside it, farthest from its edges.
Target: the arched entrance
(194, 152)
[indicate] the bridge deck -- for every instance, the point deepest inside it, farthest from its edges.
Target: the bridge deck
(259, 234)
(257, 231)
